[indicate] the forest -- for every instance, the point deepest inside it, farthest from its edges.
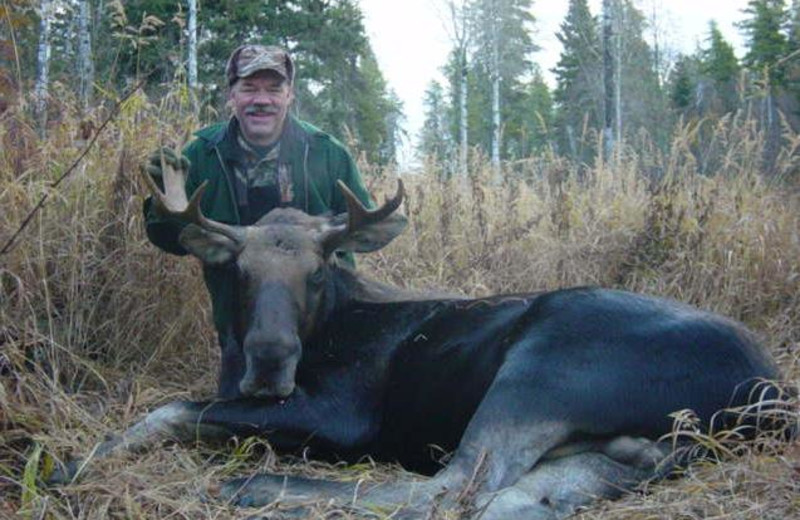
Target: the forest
(641, 168)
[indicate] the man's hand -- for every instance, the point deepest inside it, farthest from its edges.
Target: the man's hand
(155, 166)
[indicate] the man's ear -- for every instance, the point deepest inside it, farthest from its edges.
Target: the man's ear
(373, 236)
(210, 248)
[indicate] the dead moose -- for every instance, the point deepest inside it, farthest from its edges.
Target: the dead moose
(546, 400)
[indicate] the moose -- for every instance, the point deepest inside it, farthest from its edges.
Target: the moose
(544, 401)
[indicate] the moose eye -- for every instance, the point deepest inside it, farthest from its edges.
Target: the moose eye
(318, 277)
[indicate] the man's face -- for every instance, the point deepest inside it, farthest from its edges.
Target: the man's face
(260, 103)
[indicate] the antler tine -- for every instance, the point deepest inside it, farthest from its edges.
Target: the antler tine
(172, 202)
(195, 215)
(358, 215)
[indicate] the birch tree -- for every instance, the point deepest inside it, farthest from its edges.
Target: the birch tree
(608, 77)
(192, 39)
(619, 23)
(41, 87)
(502, 50)
(85, 58)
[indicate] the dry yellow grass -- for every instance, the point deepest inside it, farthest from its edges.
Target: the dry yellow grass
(97, 326)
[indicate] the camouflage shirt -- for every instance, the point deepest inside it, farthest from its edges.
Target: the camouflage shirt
(267, 184)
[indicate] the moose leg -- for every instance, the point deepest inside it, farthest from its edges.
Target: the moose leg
(508, 434)
(557, 487)
(554, 489)
(502, 442)
(287, 426)
(179, 421)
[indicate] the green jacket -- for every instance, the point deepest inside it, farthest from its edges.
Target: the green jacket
(315, 161)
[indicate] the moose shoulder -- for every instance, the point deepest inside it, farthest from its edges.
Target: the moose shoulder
(545, 399)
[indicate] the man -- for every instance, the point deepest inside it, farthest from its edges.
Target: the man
(262, 158)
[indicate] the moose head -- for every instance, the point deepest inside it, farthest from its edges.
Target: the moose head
(284, 264)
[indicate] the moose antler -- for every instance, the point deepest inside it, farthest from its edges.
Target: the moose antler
(173, 202)
(358, 215)
(358, 218)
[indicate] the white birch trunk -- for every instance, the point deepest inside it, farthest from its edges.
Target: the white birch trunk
(85, 58)
(620, 23)
(41, 87)
(192, 72)
(608, 80)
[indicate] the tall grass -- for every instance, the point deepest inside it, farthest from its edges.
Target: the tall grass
(97, 326)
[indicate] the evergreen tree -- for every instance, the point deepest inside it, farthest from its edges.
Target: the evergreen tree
(436, 139)
(578, 93)
(504, 25)
(532, 123)
(642, 103)
(720, 66)
(684, 84)
(374, 112)
(460, 32)
(793, 50)
(768, 48)
(766, 41)
(18, 36)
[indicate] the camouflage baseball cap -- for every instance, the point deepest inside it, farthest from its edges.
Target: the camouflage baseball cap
(249, 59)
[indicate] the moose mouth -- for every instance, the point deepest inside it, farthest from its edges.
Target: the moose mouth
(267, 380)
(250, 387)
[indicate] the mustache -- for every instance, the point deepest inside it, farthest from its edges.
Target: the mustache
(260, 109)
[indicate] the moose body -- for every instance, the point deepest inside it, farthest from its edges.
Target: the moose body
(394, 379)
(545, 400)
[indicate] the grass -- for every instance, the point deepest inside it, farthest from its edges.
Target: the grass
(97, 326)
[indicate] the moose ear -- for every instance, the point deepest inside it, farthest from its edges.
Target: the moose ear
(371, 237)
(211, 248)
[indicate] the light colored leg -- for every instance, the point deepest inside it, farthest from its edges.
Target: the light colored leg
(177, 421)
(555, 488)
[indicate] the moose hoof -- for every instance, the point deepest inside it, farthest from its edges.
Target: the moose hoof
(63, 473)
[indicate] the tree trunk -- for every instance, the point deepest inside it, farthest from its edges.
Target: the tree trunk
(40, 90)
(85, 58)
(459, 35)
(192, 66)
(608, 79)
(463, 125)
(495, 94)
(620, 24)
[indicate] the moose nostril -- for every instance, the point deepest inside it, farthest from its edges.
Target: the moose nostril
(273, 346)
(285, 390)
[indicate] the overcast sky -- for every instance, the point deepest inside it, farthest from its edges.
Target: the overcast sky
(410, 39)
